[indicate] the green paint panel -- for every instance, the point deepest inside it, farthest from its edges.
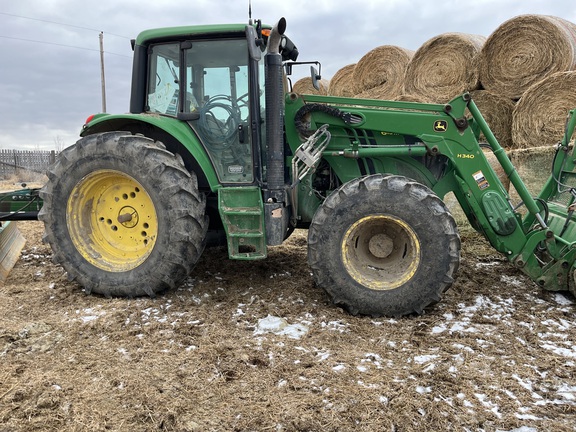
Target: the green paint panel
(242, 213)
(499, 214)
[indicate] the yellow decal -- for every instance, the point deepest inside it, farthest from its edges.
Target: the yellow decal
(465, 156)
(440, 126)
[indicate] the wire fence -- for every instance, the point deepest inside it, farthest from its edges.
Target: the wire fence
(14, 162)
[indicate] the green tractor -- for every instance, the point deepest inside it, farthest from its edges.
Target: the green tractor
(217, 149)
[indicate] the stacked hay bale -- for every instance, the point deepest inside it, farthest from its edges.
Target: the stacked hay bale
(529, 62)
(379, 74)
(540, 115)
(497, 111)
(526, 59)
(305, 86)
(444, 67)
(342, 83)
(404, 97)
(524, 50)
(522, 77)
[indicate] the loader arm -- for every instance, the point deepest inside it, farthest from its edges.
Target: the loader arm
(437, 145)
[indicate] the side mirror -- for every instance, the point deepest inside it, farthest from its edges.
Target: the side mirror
(315, 77)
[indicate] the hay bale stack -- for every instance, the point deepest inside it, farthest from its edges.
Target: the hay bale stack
(383, 93)
(304, 86)
(497, 111)
(498, 170)
(444, 67)
(524, 50)
(342, 83)
(380, 72)
(539, 117)
(404, 97)
(533, 165)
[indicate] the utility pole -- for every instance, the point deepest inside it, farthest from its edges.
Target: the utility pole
(102, 72)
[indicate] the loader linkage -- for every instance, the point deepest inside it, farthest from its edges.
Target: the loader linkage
(541, 242)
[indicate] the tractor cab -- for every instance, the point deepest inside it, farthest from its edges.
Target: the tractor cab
(214, 80)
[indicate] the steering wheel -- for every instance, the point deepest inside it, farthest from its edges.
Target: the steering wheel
(219, 121)
(242, 101)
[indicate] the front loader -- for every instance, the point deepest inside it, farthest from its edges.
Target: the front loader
(216, 149)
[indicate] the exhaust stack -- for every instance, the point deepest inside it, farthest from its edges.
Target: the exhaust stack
(275, 195)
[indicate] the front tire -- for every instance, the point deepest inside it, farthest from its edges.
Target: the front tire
(383, 245)
(123, 216)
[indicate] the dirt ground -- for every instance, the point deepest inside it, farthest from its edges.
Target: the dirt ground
(255, 346)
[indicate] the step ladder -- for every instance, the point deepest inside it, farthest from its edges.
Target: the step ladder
(242, 213)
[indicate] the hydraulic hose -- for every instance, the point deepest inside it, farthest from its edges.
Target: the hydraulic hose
(303, 126)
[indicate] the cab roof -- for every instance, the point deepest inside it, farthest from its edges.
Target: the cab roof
(183, 32)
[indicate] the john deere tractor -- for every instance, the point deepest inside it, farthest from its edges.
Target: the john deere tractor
(216, 149)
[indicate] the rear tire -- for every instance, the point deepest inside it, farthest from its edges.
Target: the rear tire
(123, 216)
(383, 245)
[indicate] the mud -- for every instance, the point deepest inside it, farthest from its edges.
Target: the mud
(255, 346)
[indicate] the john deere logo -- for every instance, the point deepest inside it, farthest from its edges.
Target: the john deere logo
(440, 125)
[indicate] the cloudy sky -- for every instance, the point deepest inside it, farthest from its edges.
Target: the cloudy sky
(50, 61)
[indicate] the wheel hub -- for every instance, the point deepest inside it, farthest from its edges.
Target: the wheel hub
(112, 220)
(381, 252)
(380, 245)
(128, 217)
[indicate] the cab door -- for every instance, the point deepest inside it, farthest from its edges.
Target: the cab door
(207, 84)
(218, 72)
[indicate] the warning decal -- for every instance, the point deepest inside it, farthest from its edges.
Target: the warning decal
(480, 180)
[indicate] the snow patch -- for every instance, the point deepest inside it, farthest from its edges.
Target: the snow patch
(339, 368)
(423, 390)
(564, 352)
(89, 314)
(421, 359)
(561, 299)
(567, 392)
(279, 326)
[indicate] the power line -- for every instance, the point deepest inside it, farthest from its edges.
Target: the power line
(63, 24)
(62, 45)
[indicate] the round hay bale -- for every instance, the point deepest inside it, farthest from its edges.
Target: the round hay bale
(497, 111)
(342, 83)
(533, 165)
(524, 50)
(383, 93)
(304, 86)
(405, 97)
(444, 67)
(539, 117)
(498, 170)
(383, 68)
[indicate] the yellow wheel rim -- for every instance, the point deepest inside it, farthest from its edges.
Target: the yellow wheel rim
(381, 252)
(112, 220)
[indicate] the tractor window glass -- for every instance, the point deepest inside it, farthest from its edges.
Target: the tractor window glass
(217, 71)
(163, 81)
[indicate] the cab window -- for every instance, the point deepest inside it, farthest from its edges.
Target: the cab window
(164, 83)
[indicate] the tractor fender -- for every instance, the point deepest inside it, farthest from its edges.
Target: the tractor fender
(176, 135)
